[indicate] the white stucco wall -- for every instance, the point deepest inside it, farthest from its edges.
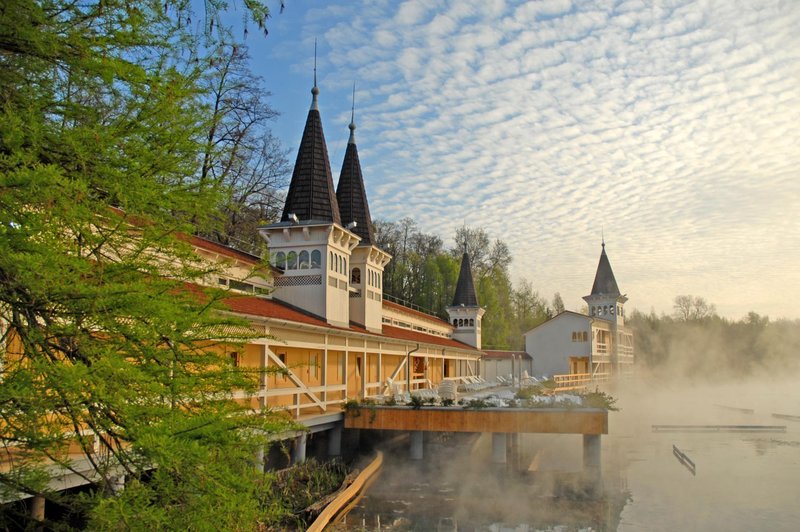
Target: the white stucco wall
(550, 344)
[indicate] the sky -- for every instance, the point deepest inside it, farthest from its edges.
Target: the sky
(671, 129)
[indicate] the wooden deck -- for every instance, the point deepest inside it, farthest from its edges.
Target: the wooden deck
(505, 420)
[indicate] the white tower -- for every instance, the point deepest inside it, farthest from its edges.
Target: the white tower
(606, 302)
(368, 261)
(465, 312)
(310, 244)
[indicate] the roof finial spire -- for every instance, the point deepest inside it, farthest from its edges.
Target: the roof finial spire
(352, 125)
(602, 237)
(315, 89)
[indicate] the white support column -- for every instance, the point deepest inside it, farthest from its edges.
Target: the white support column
(37, 509)
(325, 372)
(380, 371)
(258, 459)
(299, 449)
(335, 441)
(591, 458)
(117, 484)
(417, 440)
(499, 448)
(513, 452)
(364, 366)
(263, 382)
(345, 357)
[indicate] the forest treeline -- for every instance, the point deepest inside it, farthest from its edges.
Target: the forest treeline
(694, 342)
(424, 271)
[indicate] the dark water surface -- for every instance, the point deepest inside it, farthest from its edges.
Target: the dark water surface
(743, 481)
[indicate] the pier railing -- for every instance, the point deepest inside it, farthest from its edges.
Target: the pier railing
(578, 381)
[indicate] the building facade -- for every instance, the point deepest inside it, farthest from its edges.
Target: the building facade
(595, 346)
(326, 324)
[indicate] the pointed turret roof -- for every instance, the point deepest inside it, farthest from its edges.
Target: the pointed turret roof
(604, 281)
(311, 194)
(465, 289)
(351, 194)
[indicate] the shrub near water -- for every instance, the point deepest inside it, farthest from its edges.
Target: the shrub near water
(288, 493)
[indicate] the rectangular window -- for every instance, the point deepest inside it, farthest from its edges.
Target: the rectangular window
(239, 285)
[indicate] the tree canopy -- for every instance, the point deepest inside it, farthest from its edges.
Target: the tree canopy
(424, 273)
(103, 123)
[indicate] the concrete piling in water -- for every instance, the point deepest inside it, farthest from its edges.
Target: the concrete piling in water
(417, 442)
(591, 459)
(335, 441)
(37, 510)
(299, 449)
(499, 442)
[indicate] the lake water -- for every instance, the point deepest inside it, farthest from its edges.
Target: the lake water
(743, 481)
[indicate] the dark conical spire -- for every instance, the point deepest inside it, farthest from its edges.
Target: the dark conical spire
(465, 289)
(351, 194)
(604, 281)
(311, 194)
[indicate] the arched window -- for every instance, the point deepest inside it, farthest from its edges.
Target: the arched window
(455, 322)
(472, 322)
(316, 259)
(331, 264)
(605, 309)
(344, 265)
(304, 260)
(280, 260)
(585, 336)
(355, 276)
(291, 260)
(611, 309)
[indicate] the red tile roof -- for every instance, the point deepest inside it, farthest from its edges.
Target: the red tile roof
(208, 245)
(417, 313)
(271, 308)
(416, 336)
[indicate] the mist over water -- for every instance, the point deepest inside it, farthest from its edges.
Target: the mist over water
(743, 481)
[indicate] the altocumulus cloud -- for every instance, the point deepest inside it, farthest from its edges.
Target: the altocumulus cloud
(674, 127)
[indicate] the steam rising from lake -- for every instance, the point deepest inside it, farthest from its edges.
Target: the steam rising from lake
(744, 481)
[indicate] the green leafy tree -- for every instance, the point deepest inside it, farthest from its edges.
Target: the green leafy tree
(101, 125)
